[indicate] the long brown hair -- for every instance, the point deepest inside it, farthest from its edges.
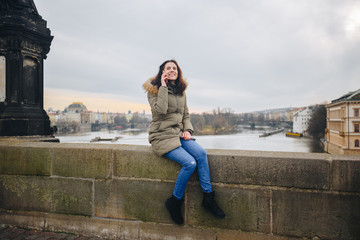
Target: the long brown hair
(180, 84)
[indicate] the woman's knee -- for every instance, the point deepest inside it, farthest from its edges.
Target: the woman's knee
(202, 154)
(190, 165)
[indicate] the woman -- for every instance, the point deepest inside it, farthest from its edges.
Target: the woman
(170, 136)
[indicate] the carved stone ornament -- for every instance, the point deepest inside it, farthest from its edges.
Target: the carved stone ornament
(27, 5)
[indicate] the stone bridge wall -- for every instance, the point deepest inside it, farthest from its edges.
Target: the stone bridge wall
(118, 191)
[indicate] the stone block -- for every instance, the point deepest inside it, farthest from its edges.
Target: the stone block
(103, 228)
(314, 214)
(60, 195)
(132, 199)
(153, 231)
(23, 219)
(299, 170)
(246, 209)
(143, 163)
(85, 161)
(346, 174)
(25, 160)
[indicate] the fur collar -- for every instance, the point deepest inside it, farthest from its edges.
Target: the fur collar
(149, 88)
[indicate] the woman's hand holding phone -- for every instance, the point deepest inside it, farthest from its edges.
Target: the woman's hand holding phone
(163, 79)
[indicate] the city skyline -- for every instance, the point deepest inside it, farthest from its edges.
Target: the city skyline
(138, 109)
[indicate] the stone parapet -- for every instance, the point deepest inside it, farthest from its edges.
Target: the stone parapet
(118, 192)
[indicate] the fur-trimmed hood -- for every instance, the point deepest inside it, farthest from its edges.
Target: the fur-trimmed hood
(149, 88)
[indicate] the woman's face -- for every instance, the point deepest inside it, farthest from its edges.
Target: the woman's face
(171, 71)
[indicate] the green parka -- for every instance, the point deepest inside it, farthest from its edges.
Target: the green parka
(170, 117)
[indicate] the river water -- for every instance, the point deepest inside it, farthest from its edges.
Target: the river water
(246, 140)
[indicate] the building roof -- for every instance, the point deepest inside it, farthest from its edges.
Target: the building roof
(351, 96)
(303, 112)
(77, 107)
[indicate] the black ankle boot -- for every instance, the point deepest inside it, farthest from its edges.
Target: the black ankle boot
(210, 204)
(173, 205)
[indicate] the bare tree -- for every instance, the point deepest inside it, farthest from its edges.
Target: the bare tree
(317, 123)
(198, 121)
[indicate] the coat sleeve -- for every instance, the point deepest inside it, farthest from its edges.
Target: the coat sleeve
(186, 119)
(159, 102)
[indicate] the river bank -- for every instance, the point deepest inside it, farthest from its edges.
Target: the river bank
(245, 140)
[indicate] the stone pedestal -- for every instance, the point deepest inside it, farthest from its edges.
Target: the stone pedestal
(24, 42)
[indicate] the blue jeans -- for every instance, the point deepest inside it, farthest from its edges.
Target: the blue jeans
(190, 155)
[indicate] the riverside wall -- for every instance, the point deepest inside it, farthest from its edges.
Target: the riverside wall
(118, 192)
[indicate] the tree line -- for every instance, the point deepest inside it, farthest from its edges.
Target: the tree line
(223, 121)
(137, 121)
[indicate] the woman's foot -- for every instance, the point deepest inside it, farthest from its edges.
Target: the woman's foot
(210, 204)
(173, 205)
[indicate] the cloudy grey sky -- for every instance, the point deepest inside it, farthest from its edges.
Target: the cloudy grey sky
(238, 54)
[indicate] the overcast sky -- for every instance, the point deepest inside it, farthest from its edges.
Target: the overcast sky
(238, 54)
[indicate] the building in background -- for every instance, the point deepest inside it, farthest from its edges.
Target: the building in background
(77, 112)
(77, 107)
(77, 118)
(342, 125)
(302, 120)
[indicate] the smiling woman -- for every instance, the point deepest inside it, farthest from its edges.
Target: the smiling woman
(170, 136)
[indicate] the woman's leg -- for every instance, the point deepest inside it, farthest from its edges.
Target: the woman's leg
(188, 164)
(199, 153)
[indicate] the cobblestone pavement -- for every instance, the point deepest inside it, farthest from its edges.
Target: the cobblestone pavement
(13, 233)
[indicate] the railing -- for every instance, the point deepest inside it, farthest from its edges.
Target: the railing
(118, 191)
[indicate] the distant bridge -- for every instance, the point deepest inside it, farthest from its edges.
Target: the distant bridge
(272, 123)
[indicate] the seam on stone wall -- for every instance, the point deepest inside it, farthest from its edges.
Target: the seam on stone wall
(274, 188)
(143, 179)
(93, 197)
(112, 168)
(138, 234)
(331, 172)
(45, 224)
(271, 213)
(51, 160)
(116, 219)
(73, 178)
